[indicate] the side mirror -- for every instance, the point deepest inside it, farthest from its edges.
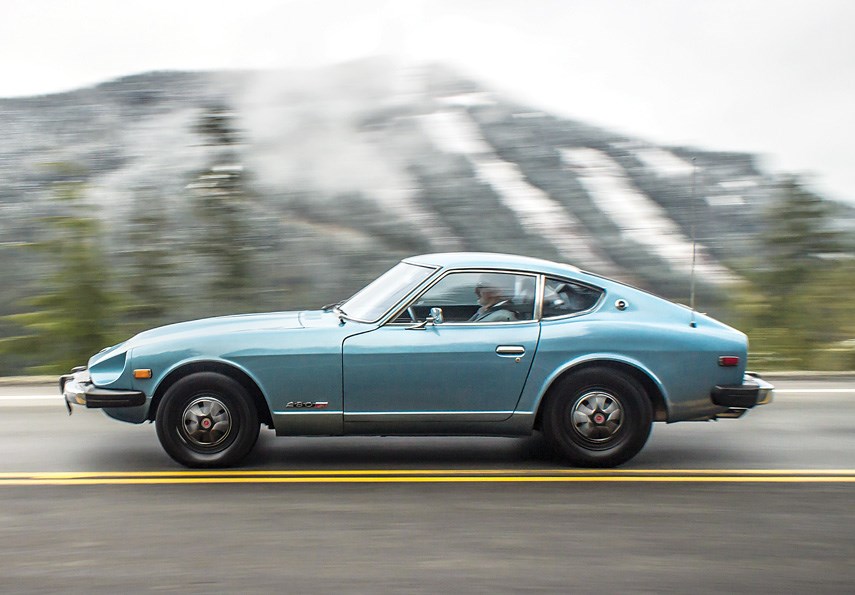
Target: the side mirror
(435, 317)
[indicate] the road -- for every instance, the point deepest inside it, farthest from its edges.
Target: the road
(761, 504)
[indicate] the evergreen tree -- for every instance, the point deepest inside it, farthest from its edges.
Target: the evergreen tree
(73, 314)
(149, 265)
(222, 203)
(794, 313)
(799, 238)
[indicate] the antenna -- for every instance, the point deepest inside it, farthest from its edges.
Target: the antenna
(693, 216)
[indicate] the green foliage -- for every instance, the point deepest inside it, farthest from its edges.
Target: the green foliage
(147, 265)
(796, 313)
(799, 238)
(71, 315)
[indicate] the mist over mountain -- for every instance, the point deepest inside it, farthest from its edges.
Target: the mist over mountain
(342, 171)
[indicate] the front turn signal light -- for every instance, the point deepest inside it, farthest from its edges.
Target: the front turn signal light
(142, 374)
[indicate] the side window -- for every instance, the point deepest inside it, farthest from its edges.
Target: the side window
(476, 297)
(563, 297)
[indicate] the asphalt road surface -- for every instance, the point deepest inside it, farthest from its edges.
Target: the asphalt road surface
(761, 504)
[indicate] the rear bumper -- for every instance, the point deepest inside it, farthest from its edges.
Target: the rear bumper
(752, 392)
(77, 389)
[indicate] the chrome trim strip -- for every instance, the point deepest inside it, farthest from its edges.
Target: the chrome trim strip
(308, 411)
(504, 322)
(413, 419)
(539, 290)
(406, 413)
(479, 323)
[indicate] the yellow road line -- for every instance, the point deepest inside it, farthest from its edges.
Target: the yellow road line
(431, 476)
(432, 479)
(416, 472)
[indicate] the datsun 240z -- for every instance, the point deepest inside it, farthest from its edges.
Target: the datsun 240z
(441, 344)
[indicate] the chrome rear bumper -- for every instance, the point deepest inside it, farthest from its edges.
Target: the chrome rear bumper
(752, 392)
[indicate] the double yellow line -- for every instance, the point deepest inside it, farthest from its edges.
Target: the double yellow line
(432, 476)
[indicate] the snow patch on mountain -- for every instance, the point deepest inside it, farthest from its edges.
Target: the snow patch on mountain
(725, 200)
(639, 218)
(476, 99)
(456, 132)
(739, 184)
(661, 162)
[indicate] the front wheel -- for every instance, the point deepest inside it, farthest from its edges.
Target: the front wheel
(207, 420)
(597, 418)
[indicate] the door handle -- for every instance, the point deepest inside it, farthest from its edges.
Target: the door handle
(510, 350)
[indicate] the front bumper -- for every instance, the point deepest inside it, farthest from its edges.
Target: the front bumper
(752, 392)
(77, 388)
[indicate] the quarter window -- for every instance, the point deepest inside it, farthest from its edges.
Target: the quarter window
(561, 298)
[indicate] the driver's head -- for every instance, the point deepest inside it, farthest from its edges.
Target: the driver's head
(490, 290)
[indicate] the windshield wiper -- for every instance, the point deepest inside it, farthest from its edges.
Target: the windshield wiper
(329, 307)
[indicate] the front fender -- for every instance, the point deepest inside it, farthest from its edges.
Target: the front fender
(161, 374)
(294, 366)
(155, 385)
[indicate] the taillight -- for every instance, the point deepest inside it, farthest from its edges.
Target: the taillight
(728, 361)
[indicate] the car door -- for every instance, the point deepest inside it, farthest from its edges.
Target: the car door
(415, 376)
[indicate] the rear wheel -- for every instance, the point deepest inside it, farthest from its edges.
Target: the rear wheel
(207, 420)
(597, 418)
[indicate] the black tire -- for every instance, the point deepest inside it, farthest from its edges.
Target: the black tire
(207, 420)
(597, 418)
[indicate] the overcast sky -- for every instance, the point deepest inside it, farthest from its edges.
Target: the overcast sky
(776, 77)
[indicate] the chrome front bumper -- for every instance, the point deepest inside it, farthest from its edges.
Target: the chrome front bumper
(77, 389)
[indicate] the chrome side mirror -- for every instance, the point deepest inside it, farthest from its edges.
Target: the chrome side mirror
(435, 317)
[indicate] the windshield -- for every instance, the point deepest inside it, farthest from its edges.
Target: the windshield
(379, 296)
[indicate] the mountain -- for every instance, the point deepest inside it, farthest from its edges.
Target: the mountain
(337, 173)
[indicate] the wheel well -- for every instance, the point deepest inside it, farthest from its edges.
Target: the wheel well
(220, 368)
(657, 400)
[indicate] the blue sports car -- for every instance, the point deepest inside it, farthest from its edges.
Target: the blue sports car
(441, 344)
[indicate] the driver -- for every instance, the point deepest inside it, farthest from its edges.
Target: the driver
(494, 301)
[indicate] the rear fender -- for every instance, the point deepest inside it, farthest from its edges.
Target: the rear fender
(651, 383)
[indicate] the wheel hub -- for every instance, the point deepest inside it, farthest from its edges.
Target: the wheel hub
(206, 421)
(597, 416)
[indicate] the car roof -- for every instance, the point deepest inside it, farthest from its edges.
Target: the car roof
(491, 260)
(495, 260)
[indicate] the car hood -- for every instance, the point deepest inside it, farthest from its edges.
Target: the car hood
(206, 327)
(225, 324)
